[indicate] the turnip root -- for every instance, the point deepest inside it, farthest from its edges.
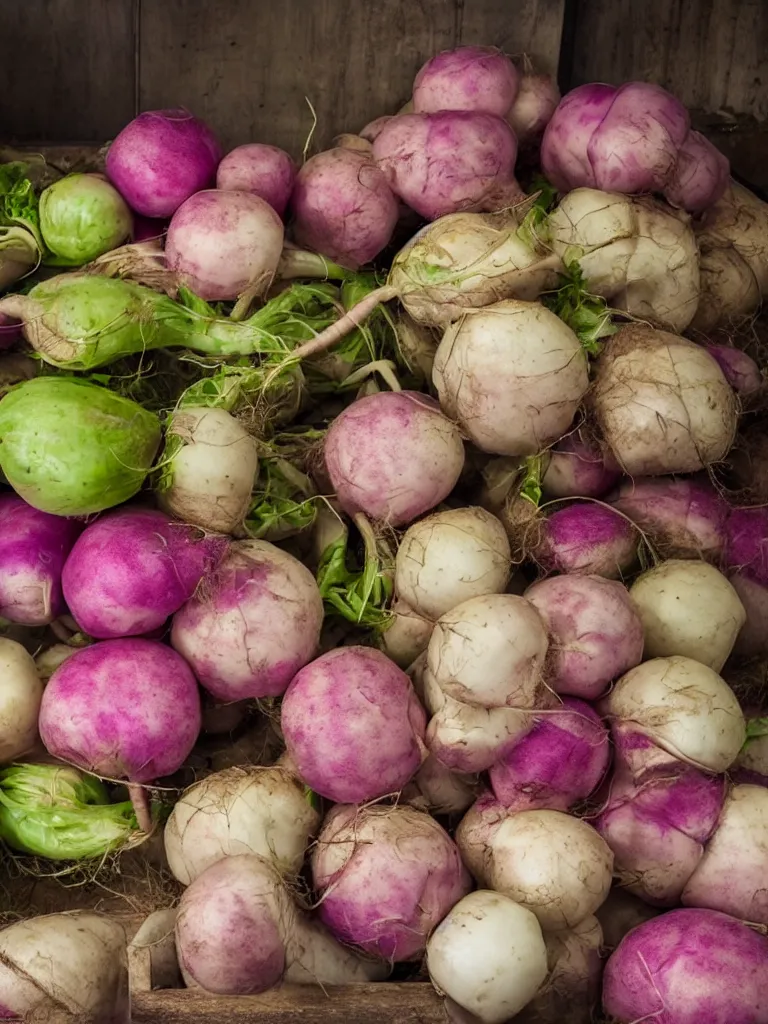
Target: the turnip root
(572, 988)
(559, 762)
(450, 557)
(637, 253)
(266, 171)
(575, 469)
(730, 877)
(595, 632)
(536, 101)
(343, 207)
(740, 370)
(393, 456)
(33, 548)
(238, 932)
(467, 78)
(586, 538)
(662, 403)
(262, 811)
(20, 694)
(512, 374)
(122, 709)
(211, 469)
(488, 957)
(131, 569)
(353, 725)
(685, 708)
(436, 789)
(255, 626)
(70, 966)
(407, 634)
(688, 608)
(680, 518)
(668, 969)
(386, 876)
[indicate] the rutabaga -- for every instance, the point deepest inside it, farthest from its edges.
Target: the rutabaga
(100, 460)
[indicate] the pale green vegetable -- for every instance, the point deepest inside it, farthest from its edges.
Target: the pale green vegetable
(82, 216)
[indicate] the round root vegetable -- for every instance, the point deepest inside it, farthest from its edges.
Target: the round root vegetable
(488, 957)
(740, 370)
(586, 538)
(635, 252)
(254, 627)
(662, 403)
(100, 460)
(478, 78)
(683, 707)
(83, 216)
(65, 966)
(688, 608)
(353, 725)
(513, 375)
(393, 456)
(680, 518)
(160, 159)
(752, 641)
(132, 569)
(262, 811)
(701, 175)
(33, 548)
(437, 790)
(222, 244)
(386, 876)
(266, 171)
(343, 207)
(576, 469)
(450, 557)
(238, 932)
(123, 709)
(447, 161)
(560, 761)
(746, 558)
(672, 968)
(20, 694)
(210, 470)
(535, 103)
(407, 634)
(572, 989)
(595, 632)
(731, 875)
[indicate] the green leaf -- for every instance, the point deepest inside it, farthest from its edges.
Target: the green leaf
(19, 200)
(530, 487)
(359, 594)
(587, 315)
(283, 502)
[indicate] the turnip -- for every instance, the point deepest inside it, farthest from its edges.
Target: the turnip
(752, 763)
(83, 216)
(393, 456)
(436, 789)
(123, 709)
(100, 460)
(512, 374)
(262, 811)
(576, 469)
(669, 969)
(266, 171)
(701, 175)
(33, 548)
(449, 557)
(225, 243)
(635, 252)
(343, 207)
(353, 725)
(680, 518)
(69, 966)
(662, 403)
(559, 762)
(238, 932)
(20, 694)
(488, 957)
(595, 632)
(160, 159)
(586, 537)
(467, 78)
(254, 626)
(407, 634)
(447, 161)
(572, 989)
(132, 569)
(386, 876)
(746, 558)
(731, 875)
(536, 101)
(752, 641)
(740, 370)
(684, 707)
(688, 608)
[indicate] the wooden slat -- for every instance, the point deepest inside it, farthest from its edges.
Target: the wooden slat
(68, 69)
(534, 27)
(385, 1003)
(713, 54)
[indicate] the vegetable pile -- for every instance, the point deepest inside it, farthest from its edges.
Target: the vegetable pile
(437, 460)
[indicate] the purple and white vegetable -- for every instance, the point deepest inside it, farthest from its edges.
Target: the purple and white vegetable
(740, 370)
(478, 78)
(264, 170)
(589, 538)
(536, 101)
(576, 469)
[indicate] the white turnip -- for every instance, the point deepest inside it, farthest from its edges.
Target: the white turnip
(536, 101)
(20, 694)
(586, 537)
(406, 635)
(467, 78)
(266, 171)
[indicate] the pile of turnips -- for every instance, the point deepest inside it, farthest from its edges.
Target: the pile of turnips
(440, 457)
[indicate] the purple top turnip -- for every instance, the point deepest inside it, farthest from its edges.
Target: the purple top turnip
(587, 538)
(741, 371)
(160, 159)
(33, 549)
(745, 544)
(265, 170)
(576, 469)
(477, 78)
